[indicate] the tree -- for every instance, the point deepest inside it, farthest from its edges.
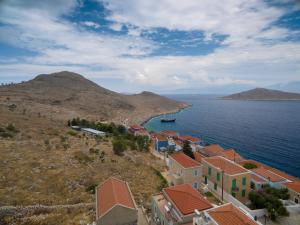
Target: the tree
(187, 149)
(250, 166)
(119, 146)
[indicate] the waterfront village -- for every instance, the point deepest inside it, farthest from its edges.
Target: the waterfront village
(206, 185)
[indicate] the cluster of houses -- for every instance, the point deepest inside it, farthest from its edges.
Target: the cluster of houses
(213, 169)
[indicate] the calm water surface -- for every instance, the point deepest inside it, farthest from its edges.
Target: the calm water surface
(266, 131)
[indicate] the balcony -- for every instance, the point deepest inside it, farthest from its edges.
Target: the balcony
(176, 179)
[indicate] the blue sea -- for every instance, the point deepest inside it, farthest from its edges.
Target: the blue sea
(266, 131)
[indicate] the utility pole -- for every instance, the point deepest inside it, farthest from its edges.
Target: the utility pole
(222, 185)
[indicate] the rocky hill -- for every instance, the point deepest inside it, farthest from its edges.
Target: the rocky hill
(263, 94)
(64, 95)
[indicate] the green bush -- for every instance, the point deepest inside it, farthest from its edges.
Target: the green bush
(91, 189)
(250, 166)
(119, 146)
(187, 149)
(208, 194)
(6, 135)
(163, 181)
(266, 199)
(10, 127)
(72, 133)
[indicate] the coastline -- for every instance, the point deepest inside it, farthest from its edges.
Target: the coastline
(157, 115)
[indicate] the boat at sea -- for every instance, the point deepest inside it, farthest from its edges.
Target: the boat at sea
(165, 120)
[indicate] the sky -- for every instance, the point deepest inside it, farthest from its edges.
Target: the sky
(164, 46)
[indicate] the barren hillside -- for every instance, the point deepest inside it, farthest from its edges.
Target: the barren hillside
(263, 94)
(65, 95)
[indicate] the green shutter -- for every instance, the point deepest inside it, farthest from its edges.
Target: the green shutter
(209, 171)
(244, 181)
(243, 193)
(233, 194)
(233, 183)
(218, 176)
(215, 186)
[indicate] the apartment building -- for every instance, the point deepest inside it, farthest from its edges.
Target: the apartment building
(223, 176)
(176, 205)
(184, 170)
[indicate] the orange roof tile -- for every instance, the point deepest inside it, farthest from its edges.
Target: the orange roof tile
(189, 138)
(169, 133)
(136, 127)
(113, 192)
(198, 156)
(159, 137)
(231, 154)
(184, 160)
(213, 150)
(267, 174)
(228, 214)
(257, 178)
(226, 165)
(186, 198)
(276, 171)
(295, 186)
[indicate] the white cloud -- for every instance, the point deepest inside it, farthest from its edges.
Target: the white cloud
(239, 19)
(244, 57)
(116, 26)
(91, 24)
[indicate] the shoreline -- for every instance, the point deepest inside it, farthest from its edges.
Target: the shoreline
(157, 115)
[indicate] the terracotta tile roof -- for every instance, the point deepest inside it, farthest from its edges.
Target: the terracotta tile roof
(278, 172)
(160, 137)
(136, 127)
(169, 133)
(186, 198)
(142, 132)
(113, 192)
(231, 154)
(198, 156)
(178, 142)
(283, 174)
(226, 165)
(228, 214)
(184, 160)
(188, 138)
(267, 174)
(257, 178)
(213, 150)
(295, 186)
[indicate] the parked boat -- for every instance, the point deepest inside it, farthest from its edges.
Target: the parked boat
(164, 120)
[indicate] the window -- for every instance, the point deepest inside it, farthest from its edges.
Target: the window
(195, 173)
(218, 176)
(215, 186)
(195, 185)
(233, 194)
(209, 171)
(233, 184)
(205, 179)
(243, 193)
(244, 181)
